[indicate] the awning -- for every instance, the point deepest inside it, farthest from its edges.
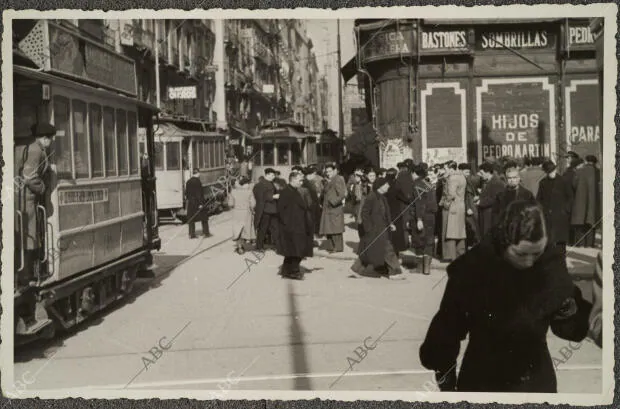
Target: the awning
(349, 70)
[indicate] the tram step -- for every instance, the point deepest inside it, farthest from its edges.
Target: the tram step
(31, 328)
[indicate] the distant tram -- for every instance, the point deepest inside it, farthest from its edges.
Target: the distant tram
(181, 146)
(282, 145)
(329, 148)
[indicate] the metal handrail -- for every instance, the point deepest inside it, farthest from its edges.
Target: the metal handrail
(21, 243)
(44, 211)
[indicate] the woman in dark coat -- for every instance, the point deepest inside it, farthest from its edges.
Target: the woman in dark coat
(402, 196)
(506, 305)
(375, 246)
(556, 197)
(296, 227)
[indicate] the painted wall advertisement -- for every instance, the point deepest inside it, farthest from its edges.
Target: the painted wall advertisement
(583, 131)
(516, 118)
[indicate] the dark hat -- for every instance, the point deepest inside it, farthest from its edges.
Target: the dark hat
(548, 166)
(270, 171)
(379, 182)
(43, 129)
(572, 154)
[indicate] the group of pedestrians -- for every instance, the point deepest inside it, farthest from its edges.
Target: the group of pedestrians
(290, 215)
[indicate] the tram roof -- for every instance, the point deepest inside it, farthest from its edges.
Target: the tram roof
(79, 86)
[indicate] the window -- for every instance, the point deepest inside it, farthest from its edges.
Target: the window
(195, 155)
(268, 154)
(218, 153)
(283, 153)
(96, 139)
(296, 153)
(205, 154)
(132, 131)
(122, 142)
(80, 142)
(62, 144)
(173, 156)
(201, 155)
(212, 154)
(159, 156)
(109, 138)
(141, 148)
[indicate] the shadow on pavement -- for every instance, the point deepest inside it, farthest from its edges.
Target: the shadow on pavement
(300, 360)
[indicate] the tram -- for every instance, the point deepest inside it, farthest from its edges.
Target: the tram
(282, 145)
(329, 148)
(181, 146)
(97, 219)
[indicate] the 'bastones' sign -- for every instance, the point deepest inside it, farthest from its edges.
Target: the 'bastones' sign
(515, 117)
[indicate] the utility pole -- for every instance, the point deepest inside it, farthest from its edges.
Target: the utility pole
(340, 113)
(157, 90)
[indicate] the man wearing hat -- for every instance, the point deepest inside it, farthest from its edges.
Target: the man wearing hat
(572, 161)
(32, 171)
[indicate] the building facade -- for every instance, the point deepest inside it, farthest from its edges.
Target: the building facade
(473, 90)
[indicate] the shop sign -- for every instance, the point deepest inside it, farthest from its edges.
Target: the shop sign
(389, 43)
(441, 40)
(579, 37)
(525, 39)
(516, 118)
(188, 92)
(73, 197)
(583, 130)
(394, 151)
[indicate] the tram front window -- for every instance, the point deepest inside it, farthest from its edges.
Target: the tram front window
(159, 156)
(283, 153)
(173, 156)
(296, 153)
(268, 154)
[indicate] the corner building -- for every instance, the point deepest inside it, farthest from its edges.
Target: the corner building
(472, 90)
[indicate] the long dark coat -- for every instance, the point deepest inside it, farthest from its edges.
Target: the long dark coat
(489, 193)
(332, 219)
(402, 197)
(424, 208)
(296, 228)
(507, 196)
(315, 188)
(471, 221)
(507, 314)
(556, 198)
(32, 175)
(376, 220)
(265, 203)
(585, 206)
(195, 199)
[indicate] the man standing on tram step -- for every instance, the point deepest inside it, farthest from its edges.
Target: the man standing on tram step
(266, 212)
(332, 218)
(512, 192)
(33, 174)
(197, 209)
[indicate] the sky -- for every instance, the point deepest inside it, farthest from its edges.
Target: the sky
(324, 36)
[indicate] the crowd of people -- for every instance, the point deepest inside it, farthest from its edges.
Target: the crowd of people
(437, 211)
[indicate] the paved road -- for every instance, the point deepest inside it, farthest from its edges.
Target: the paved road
(223, 315)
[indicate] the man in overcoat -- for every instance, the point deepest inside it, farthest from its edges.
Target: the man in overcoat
(375, 246)
(471, 212)
(532, 174)
(314, 184)
(33, 174)
(453, 203)
(332, 219)
(266, 211)
(197, 209)
(585, 206)
(512, 192)
(572, 161)
(422, 223)
(493, 185)
(296, 227)
(403, 193)
(556, 197)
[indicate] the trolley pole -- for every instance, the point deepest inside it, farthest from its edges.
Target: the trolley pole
(157, 91)
(340, 113)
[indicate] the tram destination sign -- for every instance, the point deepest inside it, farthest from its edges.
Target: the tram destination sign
(74, 197)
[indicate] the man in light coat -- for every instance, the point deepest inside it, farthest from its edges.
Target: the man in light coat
(585, 207)
(453, 204)
(332, 218)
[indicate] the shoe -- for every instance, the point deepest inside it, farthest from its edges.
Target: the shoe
(396, 277)
(207, 235)
(192, 237)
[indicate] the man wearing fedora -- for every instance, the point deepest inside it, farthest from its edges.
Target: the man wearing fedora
(33, 166)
